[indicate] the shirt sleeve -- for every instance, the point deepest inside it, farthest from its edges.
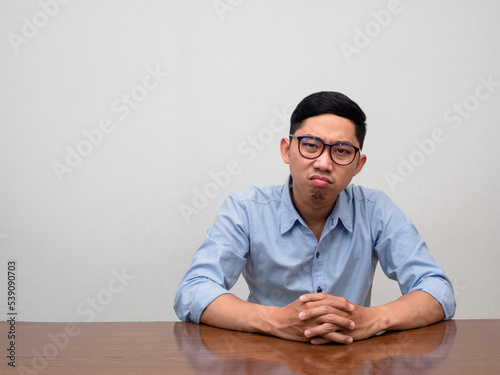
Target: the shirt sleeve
(217, 264)
(404, 256)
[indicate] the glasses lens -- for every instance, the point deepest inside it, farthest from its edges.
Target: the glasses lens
(310, 147)
(343, 154)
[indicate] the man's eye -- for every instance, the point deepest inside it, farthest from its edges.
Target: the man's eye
(311, 145)
(343, 150)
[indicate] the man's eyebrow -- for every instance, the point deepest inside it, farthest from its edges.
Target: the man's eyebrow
(312, 136)
(335, 142)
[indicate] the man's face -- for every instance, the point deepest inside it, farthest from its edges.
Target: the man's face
(318, 182)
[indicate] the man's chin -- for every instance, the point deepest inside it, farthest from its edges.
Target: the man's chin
(319, 196)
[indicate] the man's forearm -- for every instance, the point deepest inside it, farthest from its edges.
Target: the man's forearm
(412, 310)
(230, 312)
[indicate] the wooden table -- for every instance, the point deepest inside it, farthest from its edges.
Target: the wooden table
(454, 347)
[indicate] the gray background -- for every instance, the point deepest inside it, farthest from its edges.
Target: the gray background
(194, 97)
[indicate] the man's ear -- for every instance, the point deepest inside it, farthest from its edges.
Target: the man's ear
(360, 164)
(285, 150)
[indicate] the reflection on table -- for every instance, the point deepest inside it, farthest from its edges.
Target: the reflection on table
(215, 351)
(454, 347)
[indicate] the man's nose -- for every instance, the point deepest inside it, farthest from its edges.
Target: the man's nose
(324, 162)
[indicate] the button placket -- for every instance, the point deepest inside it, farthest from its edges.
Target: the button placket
(318, 279)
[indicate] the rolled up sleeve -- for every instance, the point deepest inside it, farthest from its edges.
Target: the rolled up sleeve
(405, 257)
(216, 265)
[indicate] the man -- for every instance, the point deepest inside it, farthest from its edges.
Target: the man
(308, 249)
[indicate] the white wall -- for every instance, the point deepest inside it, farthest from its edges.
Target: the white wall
(205, 79)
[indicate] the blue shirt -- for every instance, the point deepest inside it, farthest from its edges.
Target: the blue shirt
(259, 233)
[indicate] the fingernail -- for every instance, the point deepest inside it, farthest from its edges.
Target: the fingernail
(302, 315)
(307, 333)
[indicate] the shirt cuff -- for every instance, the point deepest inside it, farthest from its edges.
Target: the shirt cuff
(192, 300)
(442, 291)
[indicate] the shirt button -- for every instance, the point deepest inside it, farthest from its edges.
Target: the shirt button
(319, 290)
(317, 254)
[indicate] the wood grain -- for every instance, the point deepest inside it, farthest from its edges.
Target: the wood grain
(454, 347)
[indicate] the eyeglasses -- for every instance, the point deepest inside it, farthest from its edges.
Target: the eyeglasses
(312, 148)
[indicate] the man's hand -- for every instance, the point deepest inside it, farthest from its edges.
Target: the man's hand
(321, 318)
(315, 315)
(320, 308)
(289, 322)
(412, 310)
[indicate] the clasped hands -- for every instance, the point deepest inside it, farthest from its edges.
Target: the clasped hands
(321, 318)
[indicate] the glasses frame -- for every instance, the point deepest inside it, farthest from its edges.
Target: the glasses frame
(299, 139)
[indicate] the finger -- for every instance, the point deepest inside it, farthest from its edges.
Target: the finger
(320, 310)
(336, 337)
(325, 314)
(330, 336)
(326, 299)
(311, 297)
(328, 327)
(320, 341)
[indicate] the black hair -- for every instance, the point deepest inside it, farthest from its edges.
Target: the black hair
(329, 102)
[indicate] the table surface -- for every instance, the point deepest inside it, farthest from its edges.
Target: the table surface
(453, 347)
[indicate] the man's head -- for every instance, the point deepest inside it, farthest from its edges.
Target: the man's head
(324, 152)
(329, 102)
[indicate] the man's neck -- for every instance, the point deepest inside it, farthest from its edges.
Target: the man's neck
(314, 214)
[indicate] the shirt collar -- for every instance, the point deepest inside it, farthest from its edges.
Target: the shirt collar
(341, 211)
(289, 214)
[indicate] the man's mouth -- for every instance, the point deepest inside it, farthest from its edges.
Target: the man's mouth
(319, 180)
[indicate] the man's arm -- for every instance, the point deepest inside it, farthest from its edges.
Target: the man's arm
(412, 310)
(230, 312)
